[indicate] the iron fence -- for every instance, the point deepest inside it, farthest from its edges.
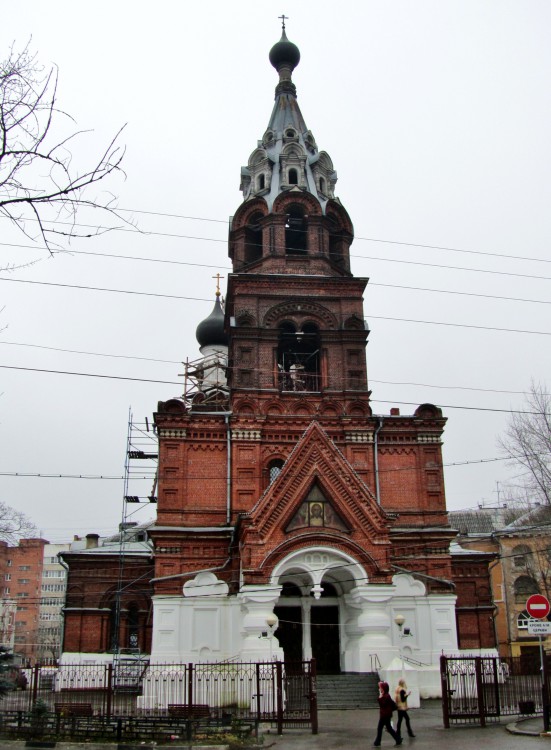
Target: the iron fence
(478, 689)
(107, 699)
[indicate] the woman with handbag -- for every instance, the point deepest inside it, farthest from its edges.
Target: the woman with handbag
(401, 700)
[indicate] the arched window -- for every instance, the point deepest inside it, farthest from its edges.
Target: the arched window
(293, 176)
(133, 620)
(521, 556)
(524, 587)
(274, 469)
(261, 181)
(253, 238)
(298, 357)
(328, 590)
(295, 231)
(322, 185)
(290, 589)
(113, 628)
(336, 243)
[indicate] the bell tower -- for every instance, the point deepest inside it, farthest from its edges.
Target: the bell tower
(295, 311)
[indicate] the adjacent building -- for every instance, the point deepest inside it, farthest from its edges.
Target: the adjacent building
(519, 538)
(33, 595)
(52, 602)
(475, 611)
(108, 606)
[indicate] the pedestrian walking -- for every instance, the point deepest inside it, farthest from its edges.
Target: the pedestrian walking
(401, 700)
(386, 707)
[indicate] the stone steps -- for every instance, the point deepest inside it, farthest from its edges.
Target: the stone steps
(343, 691)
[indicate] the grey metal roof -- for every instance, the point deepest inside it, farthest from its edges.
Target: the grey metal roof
(472, 522)
(532, 519)
(286, 115)
(485, 521)
(114, 548)
(133, 542)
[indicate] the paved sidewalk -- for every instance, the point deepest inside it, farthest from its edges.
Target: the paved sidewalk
(355, 730)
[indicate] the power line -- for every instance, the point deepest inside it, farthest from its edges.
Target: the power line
(90, 375)
(465, 294)
(228, 268)
(171, 382)
(459, 325)
(43, 475)
(189, 475)
(93, 354)
(452, 387)
(179, 362)
(424, 246)
(203, 299)
(352, 255)
(413, 550)
(452, 268)
(172, 216)
(104, 289)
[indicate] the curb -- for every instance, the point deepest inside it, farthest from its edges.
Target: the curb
(515, 728)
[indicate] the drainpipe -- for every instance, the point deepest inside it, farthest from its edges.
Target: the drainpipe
(376, 458)
(228, 469)
(506, 594)
(62, 634)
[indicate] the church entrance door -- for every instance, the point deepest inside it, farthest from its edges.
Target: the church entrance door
(289, 632)
(325, 639)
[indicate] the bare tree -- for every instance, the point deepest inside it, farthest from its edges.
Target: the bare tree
(14, 525)
(39, 183)
(527, 444)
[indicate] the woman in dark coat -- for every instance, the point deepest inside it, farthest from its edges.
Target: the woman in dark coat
(386, 706)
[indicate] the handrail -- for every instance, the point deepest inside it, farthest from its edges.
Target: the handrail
(414, 661)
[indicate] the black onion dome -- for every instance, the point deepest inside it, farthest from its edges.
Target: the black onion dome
(284, 52)
(210, 332)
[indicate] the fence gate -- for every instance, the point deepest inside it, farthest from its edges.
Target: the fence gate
(298, 695)
(478, 689)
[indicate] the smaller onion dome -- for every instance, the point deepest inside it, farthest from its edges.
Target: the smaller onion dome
(210, 332)
(284, 52)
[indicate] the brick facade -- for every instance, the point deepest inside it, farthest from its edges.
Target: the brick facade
(21, 575)
(108, 604)
(475, 608)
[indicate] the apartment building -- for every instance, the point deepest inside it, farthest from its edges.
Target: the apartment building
(32, 595)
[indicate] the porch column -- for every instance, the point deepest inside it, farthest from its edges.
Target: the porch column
(257, 603)
(306, 605)
(368, 628)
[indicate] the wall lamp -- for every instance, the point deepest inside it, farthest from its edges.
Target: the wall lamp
(400, 620)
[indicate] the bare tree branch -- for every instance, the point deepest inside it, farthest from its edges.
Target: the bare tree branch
(39, 184)
(527, 443)
(14, 525)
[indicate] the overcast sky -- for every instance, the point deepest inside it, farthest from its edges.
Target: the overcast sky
(437, 115)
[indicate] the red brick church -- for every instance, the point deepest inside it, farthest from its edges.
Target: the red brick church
(286, 507)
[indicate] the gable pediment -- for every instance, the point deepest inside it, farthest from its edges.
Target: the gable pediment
(318, 490)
